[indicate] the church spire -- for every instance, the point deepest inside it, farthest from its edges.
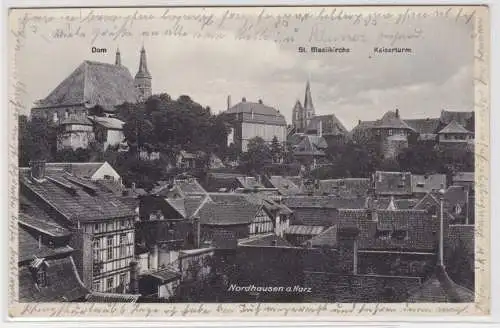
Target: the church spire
(118, 58)
(143, 78)
(143, 65)
(308, 106)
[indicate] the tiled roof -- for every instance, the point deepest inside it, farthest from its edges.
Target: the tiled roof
(258, 113)
(463, 176)
(401, 204)
(426, 183)
(33, 215)
(97, 297)
(224, 239)
(460, 117)
(391, 120)
(75, 198)
(186, 186)
(344, 188)
(223, 214)
(94, 83)
(325, 238)
(454, 127)
(165, 275)
(440, 289)
(108, 122)
(419, 225)
(424, 125)
(30, 247)
(81, 170)
(303, 230)
(295, 202)
(392, 183)
(284, 185)
(63, 283)
(249, 182)
(310, 145)
(265, 240)
(330, 124)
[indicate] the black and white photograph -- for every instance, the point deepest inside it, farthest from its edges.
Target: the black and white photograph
(249, 155)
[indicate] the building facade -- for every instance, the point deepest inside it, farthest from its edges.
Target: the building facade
(252, 120)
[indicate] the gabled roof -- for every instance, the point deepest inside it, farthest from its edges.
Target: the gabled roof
(63, 282)
(419, 225)
(94, 83)
(424, 125)
(310, 145)
(391, 120)
(284, 185)
(30, 247)
(110, 123)
(227, 214)
(426, 183)
(249, 182)
(330, 124)
(74, 198)
(454, 127)
(81, 170)
(393, 183)
(440, 289)
(325, 238)
(345, 188)
(33, 216)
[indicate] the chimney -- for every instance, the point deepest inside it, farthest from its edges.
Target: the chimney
(133, 186)
(38, 170)
(196, 231)
(243, 99)
(228, 101)
(397, 112)
(260, 101)
(134, 277)
(320, 132)
(359, 122)
(153, 258)
(118, 59)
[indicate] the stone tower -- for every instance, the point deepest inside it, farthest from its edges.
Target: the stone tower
(297, 117)
(308, 105)
(143, 78)
(118, 58)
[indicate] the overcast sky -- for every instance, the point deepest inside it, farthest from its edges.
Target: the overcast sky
(357, 85)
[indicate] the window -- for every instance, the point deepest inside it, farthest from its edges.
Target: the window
(96, 249)
(110, 248)
(420, 184)
(123, 277)
(96, 286)
(110, 226)
(124, 223)
(123, 246)
(390, 132)
(110, 283)
(96, 227)
(108, 177)
(41, 278)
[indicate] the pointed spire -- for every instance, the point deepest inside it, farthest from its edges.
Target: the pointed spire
(143, 65)
(308, 104)
(118, 58)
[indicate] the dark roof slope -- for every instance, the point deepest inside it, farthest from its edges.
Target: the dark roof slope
(393, 183)
(391, 120)
(94, 83)
(75, 198)
(330, 124)
(460, 117)
(454, 127)
(424, 125)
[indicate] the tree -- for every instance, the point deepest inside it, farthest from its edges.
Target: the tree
(277, 150)
(37, 140)
(257, 156)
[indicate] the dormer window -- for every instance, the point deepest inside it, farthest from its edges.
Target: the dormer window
(38, 268)
(400, 234)
(420, 184)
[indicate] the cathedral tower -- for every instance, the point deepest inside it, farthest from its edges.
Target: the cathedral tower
(143, 78)
(308, 105)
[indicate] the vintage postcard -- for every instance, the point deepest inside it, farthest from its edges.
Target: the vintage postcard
(249, 162)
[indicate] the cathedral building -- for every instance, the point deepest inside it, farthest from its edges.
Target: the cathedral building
(92, 89)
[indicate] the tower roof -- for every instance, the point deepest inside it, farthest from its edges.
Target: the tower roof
(308, 103)
(143, 71)
(118, 58)
(454, 127)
